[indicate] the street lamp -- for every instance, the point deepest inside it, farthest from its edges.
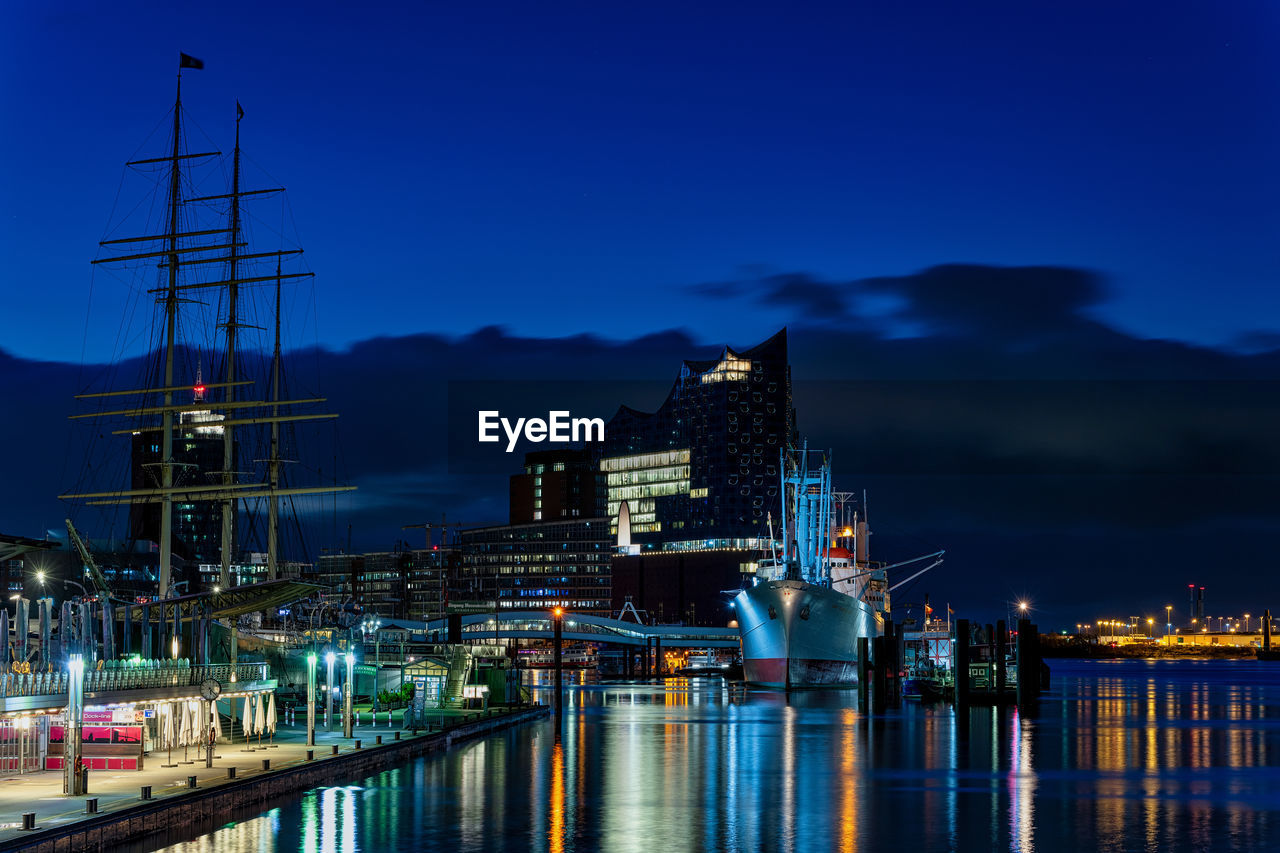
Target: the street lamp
(328, 691)
(370, 625)
(1246, 623)
(73, 764)
(311, 698)
(1168, 619)
(557, 624)
(347, 695)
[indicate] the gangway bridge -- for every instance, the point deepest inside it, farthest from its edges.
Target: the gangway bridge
(493, 628)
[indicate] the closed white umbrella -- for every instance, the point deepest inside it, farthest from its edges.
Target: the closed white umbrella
(217, 722)
(271, 714)
(170, 727)
(184, 725)
(259, 717)
(246, 719)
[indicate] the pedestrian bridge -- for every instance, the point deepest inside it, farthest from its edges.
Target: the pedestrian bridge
(481, 628)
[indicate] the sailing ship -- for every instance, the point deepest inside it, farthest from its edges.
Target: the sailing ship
(188, 435)
(802, 616)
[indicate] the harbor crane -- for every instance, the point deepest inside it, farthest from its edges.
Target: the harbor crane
(90, 565)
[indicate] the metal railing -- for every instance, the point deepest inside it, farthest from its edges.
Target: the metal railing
(126, 675)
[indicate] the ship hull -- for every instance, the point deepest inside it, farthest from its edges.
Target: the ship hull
(796, 634)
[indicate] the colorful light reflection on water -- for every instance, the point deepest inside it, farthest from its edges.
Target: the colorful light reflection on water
(1152, 756)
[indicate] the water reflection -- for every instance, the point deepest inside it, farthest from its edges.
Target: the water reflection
(1169, 755)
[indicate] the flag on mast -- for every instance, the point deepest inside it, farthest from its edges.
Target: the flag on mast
(185, 61)
(239, 111)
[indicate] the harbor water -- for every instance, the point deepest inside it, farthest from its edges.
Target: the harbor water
(1124, 755)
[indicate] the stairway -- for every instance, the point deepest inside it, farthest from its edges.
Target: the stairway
(459, 669)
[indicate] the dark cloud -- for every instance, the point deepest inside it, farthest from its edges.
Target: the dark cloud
(819, 301)
(1003, 303)
(1051, 455)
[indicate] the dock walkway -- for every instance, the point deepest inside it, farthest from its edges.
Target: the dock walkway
(117, 791)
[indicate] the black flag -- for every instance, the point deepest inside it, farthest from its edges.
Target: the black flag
(185, 61)
(239, 111)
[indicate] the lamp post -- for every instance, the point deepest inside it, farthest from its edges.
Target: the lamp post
(311, 699)
(370, 625)
(73, 763)
(1168, 619)
(328, 692)
(558, 623)
(348, 695)
(1246, 623)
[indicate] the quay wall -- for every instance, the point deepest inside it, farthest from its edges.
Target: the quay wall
(175, 816)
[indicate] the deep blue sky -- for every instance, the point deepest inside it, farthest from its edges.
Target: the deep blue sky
(931, 191)
(566, 168)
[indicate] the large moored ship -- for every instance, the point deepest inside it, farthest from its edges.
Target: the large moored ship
(801, 618)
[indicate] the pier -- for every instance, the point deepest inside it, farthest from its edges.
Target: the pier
(121, 808)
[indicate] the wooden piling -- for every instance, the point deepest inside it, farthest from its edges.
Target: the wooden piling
(1001, 677)
(1028, 667)
(864, 673)
(962, 663)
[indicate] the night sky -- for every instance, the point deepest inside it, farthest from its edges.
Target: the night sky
(1046, 201)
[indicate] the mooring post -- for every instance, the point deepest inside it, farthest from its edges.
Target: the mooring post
(891, 664)
(962, 664)
(864, 672)
(1002, 639)
(878, 645)
(1041, 680)
(1028, 669)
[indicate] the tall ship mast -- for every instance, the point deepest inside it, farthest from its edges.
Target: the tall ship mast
(202, 253)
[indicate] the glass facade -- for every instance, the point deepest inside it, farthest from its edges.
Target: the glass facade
(535, 567)
(197, 454)
(701, 473)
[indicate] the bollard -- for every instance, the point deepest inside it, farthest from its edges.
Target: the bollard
(191, 781)
(999, 673)
(1026, 670)
(881, 686)
(335, 749)
(266, 764)
(146, 792)
(379, 740)
(864, 673)
(961, 667)
(357, 744)
(28, 821)
(311, 755)
(231, 773)
(91, 805)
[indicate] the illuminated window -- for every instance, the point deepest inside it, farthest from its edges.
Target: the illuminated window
(730, 369)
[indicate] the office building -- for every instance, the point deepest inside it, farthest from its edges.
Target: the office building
(701, 472)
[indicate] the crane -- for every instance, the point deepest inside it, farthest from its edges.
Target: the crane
(428, 526)
(91, 567)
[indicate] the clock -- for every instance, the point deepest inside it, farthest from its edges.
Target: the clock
(210, 688)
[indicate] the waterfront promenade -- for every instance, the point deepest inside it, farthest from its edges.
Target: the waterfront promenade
(119, 791)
